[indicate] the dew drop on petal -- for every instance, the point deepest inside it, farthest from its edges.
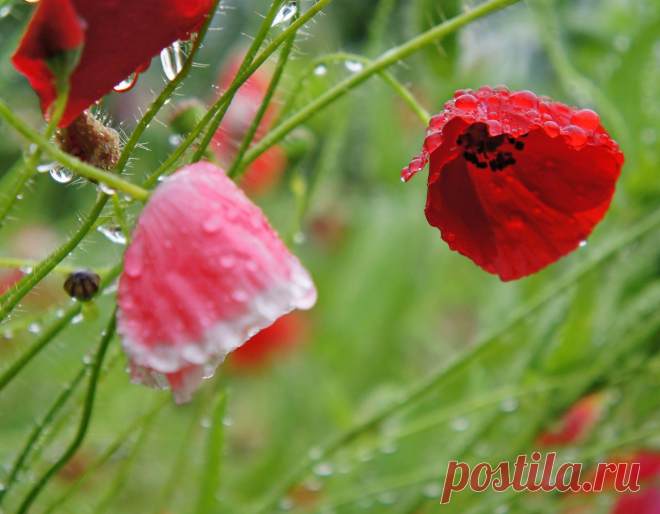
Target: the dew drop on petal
(551, 128)
(526, 100)
(126, 84)
(586, 119)
(466, 103)
(172, 59)
(61, 174)
(575, 136)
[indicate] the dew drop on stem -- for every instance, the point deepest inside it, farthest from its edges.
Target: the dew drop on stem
(61, 174)
(320, 70)
(113, 232)
(285, 13)
(172, 59)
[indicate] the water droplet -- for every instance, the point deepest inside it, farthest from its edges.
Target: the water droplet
(212, 224)
(205, 422)
(524, 99)
(388, 448)
(286, 12)
(174, 140)
(228, 261)
(321, 70)
(172, 59)
(509, 405)
(45, 168)
(586, 119)
(354, 66)
(386, 498)
(466, 103)
(126, 84)
(583, 243)
(61, 174)
(575, 136)
(324, 469)
(299, 237)
(315, 453)
(551, 128)
(4, 11)
(113, 232)
(313, 485)
(227, 421)
(34, 328)
(76, 319)
(104, 188)
(460, 424)
(133, 266)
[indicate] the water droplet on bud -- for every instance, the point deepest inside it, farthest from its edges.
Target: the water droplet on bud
(285, 13)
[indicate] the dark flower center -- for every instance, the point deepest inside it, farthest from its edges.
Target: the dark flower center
(484, 150)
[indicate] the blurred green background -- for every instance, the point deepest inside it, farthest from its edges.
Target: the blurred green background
(395, 305)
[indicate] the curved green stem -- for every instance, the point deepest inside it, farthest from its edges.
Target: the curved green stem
(247, 60)
(416, 107)
(226, 97)
(387, 59)
(426, 387)
(167, 92)
(61, 269)
(49, 333)
(10, 299)
(84, 421)
(265, 103)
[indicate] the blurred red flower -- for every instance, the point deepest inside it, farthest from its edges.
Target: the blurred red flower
(286, 334)
(576, 423)
(516, 182)
(203, 273)
(118, 37)
(265, 172)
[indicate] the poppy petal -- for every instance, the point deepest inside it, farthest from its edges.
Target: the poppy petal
(119, 37)
(203, 274)
(515, 182)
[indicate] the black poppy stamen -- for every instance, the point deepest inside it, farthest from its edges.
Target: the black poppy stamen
(478, 142)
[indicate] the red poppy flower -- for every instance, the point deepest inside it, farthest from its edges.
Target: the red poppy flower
(284, 335)
(265, 172)
(118, 38)
(516, 182)
(203, 274)
(576, 423)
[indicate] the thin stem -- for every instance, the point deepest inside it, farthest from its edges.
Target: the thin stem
(49, 333)
(39, 428)
(61, 269)
(169, 90)
(265, 103)
(84, 421)
(422, 390)
(226, 97)
(26, 172)
(11, 298)
(210, 482)
(247, 60)
(387, 59)
(81, 168)
(142, 422)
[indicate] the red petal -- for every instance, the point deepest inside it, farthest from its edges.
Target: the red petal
(120, 36)
(516, 183)
(203, 274)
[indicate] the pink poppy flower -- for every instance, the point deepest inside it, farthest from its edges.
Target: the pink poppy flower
(203, 274)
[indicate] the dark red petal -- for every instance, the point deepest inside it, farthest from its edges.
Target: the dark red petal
(515, 182)
(120, 36)
(54, 29)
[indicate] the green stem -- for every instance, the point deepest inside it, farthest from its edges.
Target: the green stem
(11, 298)
(210, 482)
(84, 421)
(39, 428)
(265, 103)
(421, 391)
(143, 422)
(417, 108)
(387, 59)
(167, 93)
(81, 168)
(61, 269)
(247, 60)
(229, 94)
(26, 172)
(121, 217)
(49, 333)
